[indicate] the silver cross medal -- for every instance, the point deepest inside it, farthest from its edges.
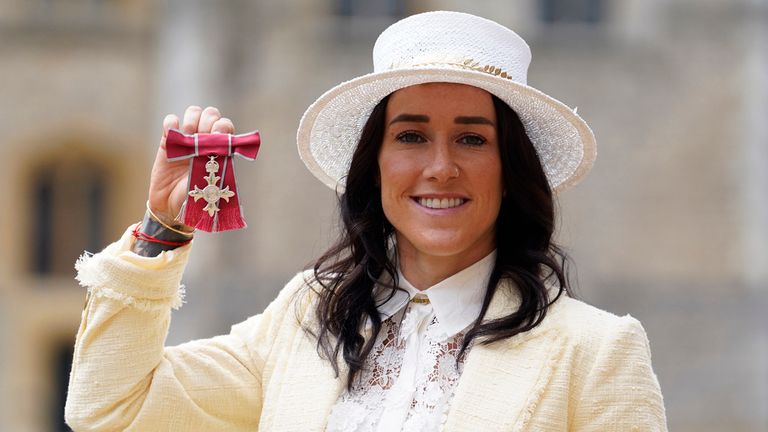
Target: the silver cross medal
(212, 193)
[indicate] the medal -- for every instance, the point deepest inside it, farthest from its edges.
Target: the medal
(211, 193)
(212, 201)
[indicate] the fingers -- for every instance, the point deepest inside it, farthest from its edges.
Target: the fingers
(223, 125)
(170, 122)
(207, 118)
(191, 119)
(200, 120)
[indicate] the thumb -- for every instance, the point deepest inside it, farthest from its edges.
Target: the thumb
(170, 121)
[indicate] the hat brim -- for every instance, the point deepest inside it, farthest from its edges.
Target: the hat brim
(331, 127)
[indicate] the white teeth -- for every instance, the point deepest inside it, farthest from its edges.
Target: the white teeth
(437, 203)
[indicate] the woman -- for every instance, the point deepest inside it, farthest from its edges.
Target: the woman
(444, 306)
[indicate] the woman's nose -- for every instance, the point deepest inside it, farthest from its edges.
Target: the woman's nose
(441, 165)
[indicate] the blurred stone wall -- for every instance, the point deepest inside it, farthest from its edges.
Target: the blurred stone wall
(671, 226)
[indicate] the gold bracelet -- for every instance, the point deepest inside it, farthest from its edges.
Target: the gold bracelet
(160, 221)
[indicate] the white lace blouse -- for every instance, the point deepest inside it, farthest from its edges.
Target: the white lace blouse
(413, 370)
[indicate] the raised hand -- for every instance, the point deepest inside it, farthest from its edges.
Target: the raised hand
(168, 183)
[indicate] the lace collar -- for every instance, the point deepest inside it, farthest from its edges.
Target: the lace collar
(456, 300)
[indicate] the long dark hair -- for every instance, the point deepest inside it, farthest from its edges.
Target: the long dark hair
(348, 271)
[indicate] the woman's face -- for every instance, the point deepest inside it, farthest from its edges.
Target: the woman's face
(440, 171)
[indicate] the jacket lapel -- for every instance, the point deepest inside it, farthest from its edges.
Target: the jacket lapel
(503, 382)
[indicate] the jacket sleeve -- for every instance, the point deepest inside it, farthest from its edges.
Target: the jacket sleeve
(123, 378)
(619, 391)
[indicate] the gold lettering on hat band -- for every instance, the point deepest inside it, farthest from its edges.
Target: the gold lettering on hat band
(470, 64)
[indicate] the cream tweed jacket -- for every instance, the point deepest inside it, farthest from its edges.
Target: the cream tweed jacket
(582, 369)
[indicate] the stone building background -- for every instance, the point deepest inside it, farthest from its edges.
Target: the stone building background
(671, 226)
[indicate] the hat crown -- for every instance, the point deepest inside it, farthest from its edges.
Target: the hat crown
(452, 40)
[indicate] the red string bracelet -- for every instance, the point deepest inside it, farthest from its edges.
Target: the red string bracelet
(148, 238)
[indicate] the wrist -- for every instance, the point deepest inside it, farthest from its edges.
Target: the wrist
(154, 236)
(169, 222)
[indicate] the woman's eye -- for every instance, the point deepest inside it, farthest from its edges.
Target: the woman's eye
(472, 140)
(410, 137)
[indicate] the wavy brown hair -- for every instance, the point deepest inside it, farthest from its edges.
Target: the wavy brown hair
(350, 269)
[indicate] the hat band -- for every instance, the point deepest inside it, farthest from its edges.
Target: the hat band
(469, 64)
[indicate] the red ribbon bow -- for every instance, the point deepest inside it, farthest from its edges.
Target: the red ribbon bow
(212, 203)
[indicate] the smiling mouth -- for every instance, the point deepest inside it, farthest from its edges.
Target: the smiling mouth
(440, 203)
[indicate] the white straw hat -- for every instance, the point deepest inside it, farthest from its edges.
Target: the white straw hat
(447, 47)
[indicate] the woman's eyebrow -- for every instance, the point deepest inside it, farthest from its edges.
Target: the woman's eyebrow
(473, 120)
(421, 118)
(416, 118)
